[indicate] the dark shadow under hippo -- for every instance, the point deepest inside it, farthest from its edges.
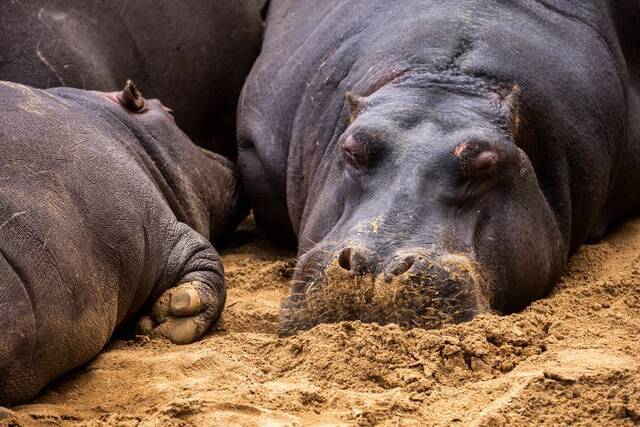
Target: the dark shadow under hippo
(194, 55)
(106, 209)
(435, 160)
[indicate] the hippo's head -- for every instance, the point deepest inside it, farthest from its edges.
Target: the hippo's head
(426, 211)
(148, 127)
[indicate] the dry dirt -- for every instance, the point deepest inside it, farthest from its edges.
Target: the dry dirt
(571, 358)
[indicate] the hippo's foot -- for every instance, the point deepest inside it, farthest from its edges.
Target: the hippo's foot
(181, 314)
(5, 413)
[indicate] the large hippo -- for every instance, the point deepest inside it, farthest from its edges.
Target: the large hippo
(106, 209)
(438, 159)
(192, 54)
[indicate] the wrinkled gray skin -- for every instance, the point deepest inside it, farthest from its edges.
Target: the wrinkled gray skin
(104, 213)
(194, 55)
(497, 135)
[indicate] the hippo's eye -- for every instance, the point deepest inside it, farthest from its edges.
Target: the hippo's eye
(355, 152)
(478, 159)
(245, 144)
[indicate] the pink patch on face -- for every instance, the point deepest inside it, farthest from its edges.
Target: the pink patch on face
(460, 148)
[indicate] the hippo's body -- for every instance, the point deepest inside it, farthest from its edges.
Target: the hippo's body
(451, 155)
(192, 54)
(103, 212)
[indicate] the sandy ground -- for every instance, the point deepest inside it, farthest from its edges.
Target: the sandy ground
(571, 358)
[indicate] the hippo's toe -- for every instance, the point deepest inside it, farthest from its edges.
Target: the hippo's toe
(5, 413)
(181, 314)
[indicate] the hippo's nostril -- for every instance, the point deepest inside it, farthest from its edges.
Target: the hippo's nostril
(402, 266)
(355, 260)
(399, 266)
(344, 260)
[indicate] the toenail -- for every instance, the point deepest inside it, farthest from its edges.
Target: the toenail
(185, 302)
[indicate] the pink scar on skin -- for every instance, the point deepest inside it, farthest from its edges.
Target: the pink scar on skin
(460, 148)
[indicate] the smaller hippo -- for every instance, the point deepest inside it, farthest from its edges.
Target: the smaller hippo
(106, 210)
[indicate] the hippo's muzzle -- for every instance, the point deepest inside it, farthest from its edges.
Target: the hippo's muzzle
(412, 288)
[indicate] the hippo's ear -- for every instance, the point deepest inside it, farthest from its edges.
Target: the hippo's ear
(510, 108)
(356, 104)
(131, 98)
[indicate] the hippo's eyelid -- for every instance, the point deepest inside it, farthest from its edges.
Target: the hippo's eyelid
(355, 151)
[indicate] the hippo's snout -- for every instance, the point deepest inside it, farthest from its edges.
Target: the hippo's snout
(411, 288)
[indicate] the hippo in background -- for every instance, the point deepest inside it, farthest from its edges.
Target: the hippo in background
(106, 211)
(192, 54)
(435, 160)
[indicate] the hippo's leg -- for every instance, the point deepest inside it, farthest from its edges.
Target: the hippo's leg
(19, 381)
(196, 294)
